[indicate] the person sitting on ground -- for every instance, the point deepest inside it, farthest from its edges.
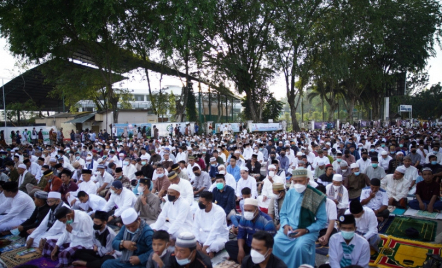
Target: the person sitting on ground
(374, 170)
(397, 188)
(376, 198)
(254, 220)
(134, 241)
(224, 196)
(176, 216)
(186, 254)
(276, 203)
(90, 203)
(102, 240)
(355, 182)
(202, 181)
(20, 207)
(427, 193)
(246, 193)
(329, 228)
(122, 198)
(78, 234)
(338, 194)
(210, 226)
(148, 204)
(266, 193)
(161, 253)
(366, 223)
(40, 212)
(348, 248)
(261, 254)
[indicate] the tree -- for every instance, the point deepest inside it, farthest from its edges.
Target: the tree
(191, 107)
(272, 109)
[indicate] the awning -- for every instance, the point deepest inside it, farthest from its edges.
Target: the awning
(81, 119)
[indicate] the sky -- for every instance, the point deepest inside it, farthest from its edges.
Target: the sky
(9, 68)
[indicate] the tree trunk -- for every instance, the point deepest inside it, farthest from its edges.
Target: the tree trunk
(113, 101)
(253, 113)
(154, 109)
(295, 124)
(351, 105)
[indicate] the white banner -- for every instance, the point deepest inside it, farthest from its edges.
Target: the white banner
(220, 126)
(265, 127)
(45, 130)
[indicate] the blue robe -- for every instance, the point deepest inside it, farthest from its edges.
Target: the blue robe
(301, 250)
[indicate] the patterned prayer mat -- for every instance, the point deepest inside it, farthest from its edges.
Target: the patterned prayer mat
(373, 254)
(405, 253)
(227, 264)
(19, 256)
(398, 226)
(15, 242)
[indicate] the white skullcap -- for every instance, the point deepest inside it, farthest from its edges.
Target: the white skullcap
(384, 153)
(23, 166)
(251, 201)
(338, 151)
(354, 165)
(175, 187)
(400, 152)
(221, 166)
(88, 158)
(144, 157)
(337, 177)
(53, 160)
(328, 143)
(186, 240)
(237, 152)
(298, 154)
(99, 160)
(129, 216)
(401, 169)
(272, 166)
(121, 154)
(244, 168)
(212, 159)
(55, 195)
(321, 163)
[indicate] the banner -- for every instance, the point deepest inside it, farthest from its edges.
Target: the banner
(324, 125)
(118, 129)
(265, 127)
(219, 127)
(45, 131)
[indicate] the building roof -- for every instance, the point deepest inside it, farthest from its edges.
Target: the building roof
(81, 118)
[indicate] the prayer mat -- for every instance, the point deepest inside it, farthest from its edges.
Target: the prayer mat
(228, 264)
(373, 254)
(427, 229)
(19, 256)
(398, 211)
(15, 242)
(405, 253)
(383, 226)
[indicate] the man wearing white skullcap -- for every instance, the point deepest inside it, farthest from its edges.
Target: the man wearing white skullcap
(246, 181)
(267, 189)
(397, 187)
(355, 182)
(253, 220)
(338, 193)
(319, 169)
(25, 178)
(177, 211)
(186, 253)
(134, 241)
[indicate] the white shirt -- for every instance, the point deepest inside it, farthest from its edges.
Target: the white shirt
(56, 229)
(363, 164)
(6, 203)
(179, 215)
(82, 232)
(247, 153)
(35, 170)
(330, 209)
(359, 256)
(186, 191)
(249, 182)
(190, 171)
(384, 162)
(105, 178)
(317, 159)
(129, 171)
(397, 189)
(380, 199)
(22, 177)
(366, 224)
(89, 187)
(181, 156)
(344, 200)
(210, 226)
(438, 155)
(267, 188)
(91, 166)
(411, 173)
(126, 199)
(95, 203)
(22, 206)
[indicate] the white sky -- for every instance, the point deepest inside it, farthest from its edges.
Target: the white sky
(9, 68)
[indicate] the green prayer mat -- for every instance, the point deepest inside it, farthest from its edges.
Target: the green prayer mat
(427, 229)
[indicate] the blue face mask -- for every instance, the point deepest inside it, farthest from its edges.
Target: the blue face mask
(347, 235)
(401, 145)
(357, 173)
(183, 261)
(213, 165)
(130, 232)
(69, 221)
(220, 185)
(433, 162)
(374, 165)
(392, 152)
(371, 150)
(435, 152)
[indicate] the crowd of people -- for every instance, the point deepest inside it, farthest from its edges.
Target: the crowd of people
(178, 200)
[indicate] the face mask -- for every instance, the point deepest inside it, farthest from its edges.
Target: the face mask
(257, 257)
(414, 151)
(401, 145)
(433, 162)
(141, 189)
(374, 165)
(336, 187)
(220, 185)
(392, 152)
(282, 154)
(69, 221)
(339, 160)
(277, 196)
(160, 175)
(130, 232)
(249, 215)
(371, 150)
(171, 198)
(183, 262)
(143, 163)
(364, 158)
(97, 227)
(357, 173)
(112, 191)
(300, 188)
(347, 235)
(197, 174)
(201, 205)
(271, 174)
(260, 149)
(222, 172)
(213, 165)
(435, 152)
(125, 163)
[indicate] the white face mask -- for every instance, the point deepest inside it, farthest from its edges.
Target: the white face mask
(257, 257)
(271, 174)
(336, 187)
(249, 215)
(222, 172)
(300, 188)
(140, 189)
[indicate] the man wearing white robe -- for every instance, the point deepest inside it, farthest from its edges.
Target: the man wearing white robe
(267, 188)
(121, 197)
(210, 225)
(186, 189)
(246, 181)
(230, 180)
(178, 213)
(49, 228)
(91, 202)
(21, 207)
(129, 169)
(338, 193)
(86, 185)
